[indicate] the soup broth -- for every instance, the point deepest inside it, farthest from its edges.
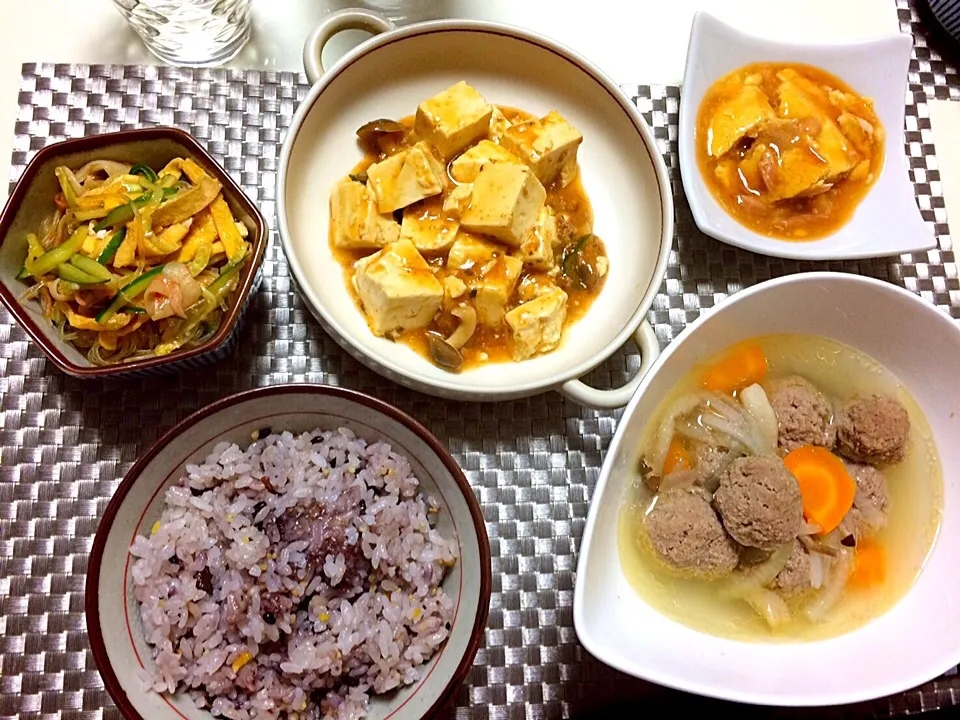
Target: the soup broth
(914, 507)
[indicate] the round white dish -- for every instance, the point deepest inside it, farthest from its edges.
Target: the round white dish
(623, 172)
(116, 635)
(887, 221)
(916, 640)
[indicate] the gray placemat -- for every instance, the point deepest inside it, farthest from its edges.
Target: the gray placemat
(65, 444)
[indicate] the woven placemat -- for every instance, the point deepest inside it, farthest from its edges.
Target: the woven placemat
(65, 444)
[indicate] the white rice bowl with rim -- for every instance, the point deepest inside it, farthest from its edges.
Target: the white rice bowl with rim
(294, 578)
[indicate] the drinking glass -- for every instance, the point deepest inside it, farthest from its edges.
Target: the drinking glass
(190, 32)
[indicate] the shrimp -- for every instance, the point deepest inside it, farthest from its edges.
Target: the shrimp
(171, 293)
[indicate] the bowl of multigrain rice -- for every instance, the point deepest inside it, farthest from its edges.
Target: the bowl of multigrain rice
(295, 551)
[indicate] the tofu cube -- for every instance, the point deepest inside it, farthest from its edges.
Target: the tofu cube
(498, 125)
(548, 145)
(405, 178)
(453, 120)
(735, 117)
(454, 286)
(468, 165)
(505, 203)
(493, 288)
(428, 227)
(536, 250)
(397, 288)
(457, 201)
(470, 253)
(356, 223)
(533, 286)
(536, 326)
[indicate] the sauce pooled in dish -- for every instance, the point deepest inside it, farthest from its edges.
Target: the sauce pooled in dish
(788, 489)
(788, 150)
(465, 232)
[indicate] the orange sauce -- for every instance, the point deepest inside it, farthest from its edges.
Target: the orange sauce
(491, 344)
(748, 179)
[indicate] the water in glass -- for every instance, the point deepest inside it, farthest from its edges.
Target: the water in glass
(190, 32)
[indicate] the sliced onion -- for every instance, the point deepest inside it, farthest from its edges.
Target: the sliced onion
(678, 480)
(110, 167)
(697, 433)
(817, 570)
(770, 606)
(834, 584)
(746, 581)
(814, 546)
(757, 405)
(740, 432)
(661, 444)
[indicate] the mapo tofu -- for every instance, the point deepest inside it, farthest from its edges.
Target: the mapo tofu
(788, 150)
(465, 232)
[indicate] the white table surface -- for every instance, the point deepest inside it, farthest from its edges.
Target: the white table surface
(635, 41)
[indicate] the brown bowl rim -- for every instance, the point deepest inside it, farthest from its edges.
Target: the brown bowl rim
(95, 561)
(93, 142)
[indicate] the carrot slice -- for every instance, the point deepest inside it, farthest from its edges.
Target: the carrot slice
(678, 458)
(826, 488)
(742, 366)
(869, 565)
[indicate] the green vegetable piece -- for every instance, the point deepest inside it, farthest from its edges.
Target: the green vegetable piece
(133, 310)
(128, 293)
(123, 214)
(146, 172)
(571, 257)
(118, 216)
(110, 249)
(73, 274)
(91, 267)
(60, 254)
(218, 286)
(69, 195)
(23, 274)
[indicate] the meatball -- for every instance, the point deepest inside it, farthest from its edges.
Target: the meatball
(687, 535)
(871, 486)
(869, 511)
(759, 502)
(709, 460)
(804, 414)
(795, 576)
(873, 429)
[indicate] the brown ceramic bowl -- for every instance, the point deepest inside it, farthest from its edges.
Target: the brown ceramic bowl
(31, 201)
(113, 619)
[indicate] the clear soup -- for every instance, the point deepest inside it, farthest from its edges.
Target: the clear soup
(915, 489)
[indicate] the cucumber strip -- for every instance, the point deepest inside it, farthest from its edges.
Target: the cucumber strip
(217, 286)
(128, 293)
(146, 172)
(91, 267)
(121, 215)
(60, 254)
(110, 249)
(73, 274)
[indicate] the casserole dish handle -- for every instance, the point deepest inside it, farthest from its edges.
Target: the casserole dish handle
(646, 340)
(332, 24)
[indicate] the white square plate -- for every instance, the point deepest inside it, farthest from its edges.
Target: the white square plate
(887, 221)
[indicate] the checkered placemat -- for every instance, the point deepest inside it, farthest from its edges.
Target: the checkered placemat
(65, 444)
